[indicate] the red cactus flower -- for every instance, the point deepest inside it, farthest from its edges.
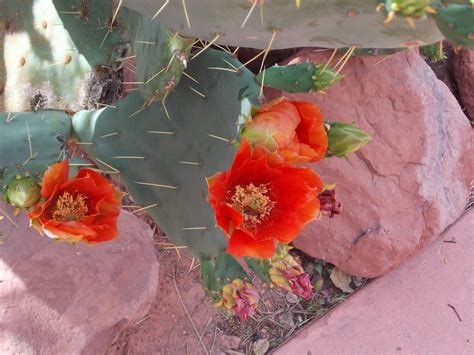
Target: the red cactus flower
(83, 209)
(294, 130)
(262, 200)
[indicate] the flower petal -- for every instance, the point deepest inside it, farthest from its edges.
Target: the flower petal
(311, 130)
(56, 175)
(277, 120)
(297, 203)
(241, 244)
(69, 231)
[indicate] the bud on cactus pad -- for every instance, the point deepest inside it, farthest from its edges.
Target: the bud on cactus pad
(304, 77)
(23, 192)
(345, 138)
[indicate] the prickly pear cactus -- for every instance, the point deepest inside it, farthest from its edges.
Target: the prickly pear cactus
(216, 272)
(30, 141)
(304, 77)
(282, 24)
(164, 153)
(456, 22)
(170, 52)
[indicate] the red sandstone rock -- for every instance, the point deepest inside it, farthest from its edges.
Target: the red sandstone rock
(406, 311)
(462, 68)
(56, 298)
(409, 183)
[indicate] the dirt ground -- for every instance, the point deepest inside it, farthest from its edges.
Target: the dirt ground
(183, 321)
(168, 329)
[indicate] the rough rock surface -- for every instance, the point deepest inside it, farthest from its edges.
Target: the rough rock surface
(410, 182)
(56, 298)
(407, 311)
(462, 69)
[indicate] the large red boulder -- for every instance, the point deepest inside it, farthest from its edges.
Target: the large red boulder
(408, 184)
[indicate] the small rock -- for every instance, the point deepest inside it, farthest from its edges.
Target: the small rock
(260, 347)
(228, 342)
(57, 298)
(286, 320)
(291, 298)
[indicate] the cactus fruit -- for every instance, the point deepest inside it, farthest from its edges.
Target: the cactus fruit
(304, 77)
(51, 50)
(281, 24)
(31, 141)
(169, 51)
(165, 152)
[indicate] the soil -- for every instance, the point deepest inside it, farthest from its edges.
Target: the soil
(172, 327)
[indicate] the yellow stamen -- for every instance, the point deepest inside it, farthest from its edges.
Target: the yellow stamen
(253, 202)
(70, 208)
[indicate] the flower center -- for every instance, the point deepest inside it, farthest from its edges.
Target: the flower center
(70, 207)
(253, 202)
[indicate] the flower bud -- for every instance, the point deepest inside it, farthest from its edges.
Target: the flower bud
(23, 192)
(345, 138)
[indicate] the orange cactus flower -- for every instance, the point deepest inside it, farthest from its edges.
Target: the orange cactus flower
(83, 209)
(262, 200)
(295, 130)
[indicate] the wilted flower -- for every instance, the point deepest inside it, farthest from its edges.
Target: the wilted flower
(345, 138)
(83, 209)
(294, 130)
(240, 298)
(262, 200)
(329, 206)
(23, 192)
(286, 273)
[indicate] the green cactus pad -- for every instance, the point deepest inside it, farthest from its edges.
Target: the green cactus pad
(375, 51)
(175, 154)
(304, 77)
(216, 272)
(456, 22)
(261, 267)
(329, 24)
(49, 51)
(48, 131)
(161, 56)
